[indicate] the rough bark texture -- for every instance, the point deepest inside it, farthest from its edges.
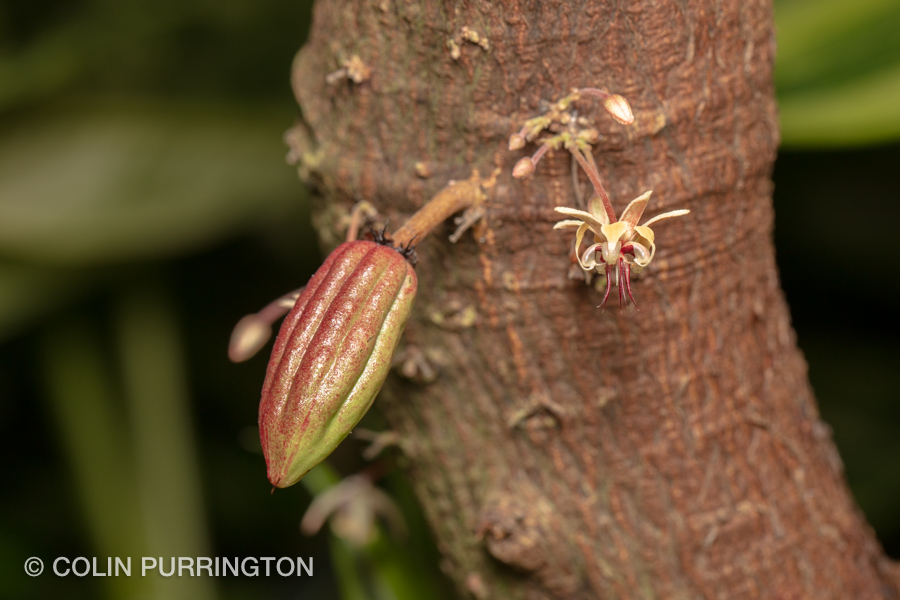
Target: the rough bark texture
(565, 452)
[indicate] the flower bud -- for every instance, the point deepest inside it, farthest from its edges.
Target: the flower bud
(523, 168)
(618, 108)
(249, 336)
(332, 355)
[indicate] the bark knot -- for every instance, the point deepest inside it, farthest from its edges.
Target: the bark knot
(521, 528)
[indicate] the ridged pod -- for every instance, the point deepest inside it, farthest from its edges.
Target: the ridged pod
(332, 355)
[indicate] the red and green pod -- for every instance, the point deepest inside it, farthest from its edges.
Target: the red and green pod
(332, 355)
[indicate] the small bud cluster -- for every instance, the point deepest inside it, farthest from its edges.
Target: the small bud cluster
(571, 131)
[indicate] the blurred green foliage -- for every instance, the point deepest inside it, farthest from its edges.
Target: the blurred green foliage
(145, 206)
(838, 72)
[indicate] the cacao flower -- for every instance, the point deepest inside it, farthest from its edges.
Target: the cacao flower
(623, 245)
(332, 355)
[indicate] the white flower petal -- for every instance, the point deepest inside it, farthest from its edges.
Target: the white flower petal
(587, 260)
(616, 232)
(667, 215)
(645, 232)
(572, 212)
(588, 218)
(579, 235)
(635, 209)
(598, 210)
(564, 224)
(642, 255)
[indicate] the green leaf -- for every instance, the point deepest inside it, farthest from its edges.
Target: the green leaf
(863, 111)
(838, 71)
(127, 182)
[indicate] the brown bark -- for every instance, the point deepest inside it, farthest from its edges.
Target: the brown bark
(565, 452)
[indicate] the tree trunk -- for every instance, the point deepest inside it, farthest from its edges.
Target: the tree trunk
(564, 451)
